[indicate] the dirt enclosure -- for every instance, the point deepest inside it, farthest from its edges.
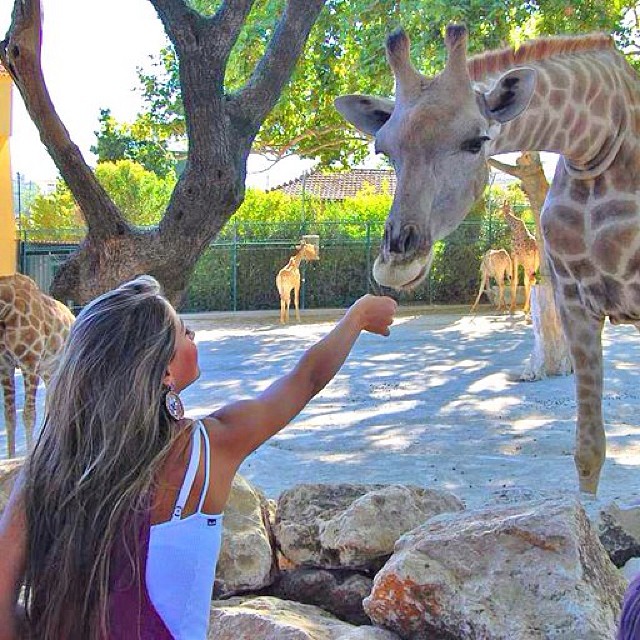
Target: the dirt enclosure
(437, 404)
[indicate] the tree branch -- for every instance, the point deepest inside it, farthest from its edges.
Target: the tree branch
(263, 89)
(20, 53)
(506, 168)
(175, 15)
(228, 22)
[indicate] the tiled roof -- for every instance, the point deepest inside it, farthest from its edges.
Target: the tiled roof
(338, 186)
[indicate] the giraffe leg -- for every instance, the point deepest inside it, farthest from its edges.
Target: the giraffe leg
(501, 301)
(527, 293)
(514, 283)
(296, 301)
(7, 380)
(583, 334)
(482, 285)
(282, 310)
(29, 411)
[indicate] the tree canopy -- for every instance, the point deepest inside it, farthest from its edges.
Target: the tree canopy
(345, 54)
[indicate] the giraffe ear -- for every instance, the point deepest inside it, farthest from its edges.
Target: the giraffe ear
(367, 113)
(509, 96)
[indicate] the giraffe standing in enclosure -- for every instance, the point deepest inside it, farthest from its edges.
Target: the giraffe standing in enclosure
(575, 96)
(288, 279)
(33, 329)
(495, 264)
(524, 251)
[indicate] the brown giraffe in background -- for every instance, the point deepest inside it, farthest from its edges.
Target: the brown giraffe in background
(288, 279)
(495, 264)
(33, 330)
(575, 96)
(524, 251)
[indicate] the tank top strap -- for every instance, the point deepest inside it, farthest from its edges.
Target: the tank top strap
(207, 464)
(190, 475)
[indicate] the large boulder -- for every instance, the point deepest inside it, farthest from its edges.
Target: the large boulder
(247, 558)
(527, 571)
(352, 526)
(267, 618)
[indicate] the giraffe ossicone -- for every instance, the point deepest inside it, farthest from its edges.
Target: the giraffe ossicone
(576, 96)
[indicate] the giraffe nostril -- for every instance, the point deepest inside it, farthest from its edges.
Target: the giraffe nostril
(411, 238)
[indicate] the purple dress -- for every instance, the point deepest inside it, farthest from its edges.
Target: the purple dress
(132, 615)
(629, 628)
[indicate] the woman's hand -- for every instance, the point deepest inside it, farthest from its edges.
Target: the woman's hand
(373, 313)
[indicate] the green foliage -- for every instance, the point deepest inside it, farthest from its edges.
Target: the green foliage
(143, 142)
(141, 195)
(346, 55)
(55, 214)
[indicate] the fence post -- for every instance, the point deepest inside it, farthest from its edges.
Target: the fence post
(234, 261)
(367, 275)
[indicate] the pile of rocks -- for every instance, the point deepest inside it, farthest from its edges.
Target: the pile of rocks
(381, 562)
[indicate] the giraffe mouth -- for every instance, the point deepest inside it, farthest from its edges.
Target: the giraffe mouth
(402, 276)
(412, 284)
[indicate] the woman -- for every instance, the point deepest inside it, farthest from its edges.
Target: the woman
(114, 525)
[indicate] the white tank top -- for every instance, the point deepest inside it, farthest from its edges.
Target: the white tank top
(183, 553)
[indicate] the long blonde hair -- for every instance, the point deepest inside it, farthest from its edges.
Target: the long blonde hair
(104, 437)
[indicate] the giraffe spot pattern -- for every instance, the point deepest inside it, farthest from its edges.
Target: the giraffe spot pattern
(609, 244)
(600, 187)
(614, 210)
(582, 269)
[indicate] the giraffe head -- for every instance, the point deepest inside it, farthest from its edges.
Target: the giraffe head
(307, 250)
(434, 134)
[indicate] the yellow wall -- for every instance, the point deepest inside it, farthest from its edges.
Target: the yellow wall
(7, 219)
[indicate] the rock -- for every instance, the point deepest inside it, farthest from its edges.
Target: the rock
(247, 559)
(339, 592)
(8, 473)
(351, 526)
(619, 531)
(631, 569)
(523, 572)
(267, 618)
(367, 530)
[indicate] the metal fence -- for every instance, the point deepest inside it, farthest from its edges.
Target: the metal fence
(237, 271)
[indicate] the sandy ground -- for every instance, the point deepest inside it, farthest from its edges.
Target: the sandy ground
(436, 404)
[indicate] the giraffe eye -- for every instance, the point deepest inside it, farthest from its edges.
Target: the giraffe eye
(474, 145)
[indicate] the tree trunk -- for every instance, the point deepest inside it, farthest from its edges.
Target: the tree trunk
(550, 350)
(220, 128)
(550, 355)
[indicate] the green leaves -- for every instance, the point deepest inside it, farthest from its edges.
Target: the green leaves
(345, 54)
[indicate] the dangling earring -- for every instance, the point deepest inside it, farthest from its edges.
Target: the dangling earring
(174, 404)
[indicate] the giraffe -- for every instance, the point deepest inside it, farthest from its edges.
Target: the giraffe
(524, 251)
(575, 96)
(288, 279)
(33, 330)
(495, 264)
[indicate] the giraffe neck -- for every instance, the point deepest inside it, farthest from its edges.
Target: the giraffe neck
(297, 259)
(581, 108)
